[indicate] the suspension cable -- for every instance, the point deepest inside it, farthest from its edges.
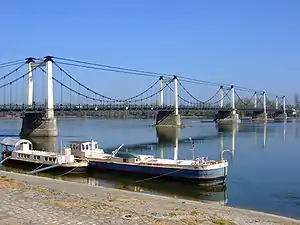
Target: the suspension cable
(195, 97)
(107, 69)
(13, 71)
(103, 96)
(113, 67)
(242, 101)
(100, 100)
(11, 62)
(20, 77)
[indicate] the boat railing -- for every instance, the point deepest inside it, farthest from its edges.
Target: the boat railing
(222, 153)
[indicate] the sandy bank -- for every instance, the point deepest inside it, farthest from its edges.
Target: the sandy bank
(73, 203)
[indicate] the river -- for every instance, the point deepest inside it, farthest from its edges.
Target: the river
(263, 158)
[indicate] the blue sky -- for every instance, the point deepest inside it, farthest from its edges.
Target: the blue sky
(247, 43)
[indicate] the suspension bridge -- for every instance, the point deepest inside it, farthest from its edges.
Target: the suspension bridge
(167, 97)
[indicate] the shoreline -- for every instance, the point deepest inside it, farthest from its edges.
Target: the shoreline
(112, 206)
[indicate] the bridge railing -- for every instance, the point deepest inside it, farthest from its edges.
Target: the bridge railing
(98, 107)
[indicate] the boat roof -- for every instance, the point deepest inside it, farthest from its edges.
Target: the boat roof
(14, 142)
(78, 142)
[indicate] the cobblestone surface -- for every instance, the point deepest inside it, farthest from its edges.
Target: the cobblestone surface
(33, 200)
(23, 204)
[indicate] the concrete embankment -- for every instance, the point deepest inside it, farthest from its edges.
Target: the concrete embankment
(37, 200)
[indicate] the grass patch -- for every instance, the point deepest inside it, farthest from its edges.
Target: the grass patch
(222, 222)
(194, 213)
(42, 190)
(7, 182)
(172, 214)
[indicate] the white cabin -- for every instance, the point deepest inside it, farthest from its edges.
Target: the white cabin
(85, 148)
(16, 144)
(22, 150)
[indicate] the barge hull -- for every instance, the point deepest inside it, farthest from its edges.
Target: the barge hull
(32, 166)
(202, 177)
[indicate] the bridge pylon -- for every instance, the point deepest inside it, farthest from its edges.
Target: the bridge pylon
(41, 124)
(170, 118)
(281, 115)
(228, 116)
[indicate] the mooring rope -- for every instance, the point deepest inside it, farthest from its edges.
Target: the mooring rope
(39, 166)
(68, 171)
(4, 160)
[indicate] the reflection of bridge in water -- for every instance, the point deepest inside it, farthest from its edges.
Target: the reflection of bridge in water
(170, 138)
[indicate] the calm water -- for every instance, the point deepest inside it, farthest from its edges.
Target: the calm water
(263, 158)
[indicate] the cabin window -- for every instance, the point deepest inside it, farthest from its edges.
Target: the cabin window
(38, 157)
(82, 147)
(96, 146)
(19, 155)
(46, 158)
(125, 160)
(87, 147)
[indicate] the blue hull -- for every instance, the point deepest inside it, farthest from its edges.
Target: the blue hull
(215, 176)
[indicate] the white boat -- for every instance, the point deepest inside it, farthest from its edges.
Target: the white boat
(19, 152)
(202, 170)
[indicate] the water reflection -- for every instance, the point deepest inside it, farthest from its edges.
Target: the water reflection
(168, 136)
(216, 194)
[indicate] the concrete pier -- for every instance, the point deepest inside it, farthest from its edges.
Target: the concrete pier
(259, 116)
(227, 117)
(280, 116)
(38, 125)
(168, 119)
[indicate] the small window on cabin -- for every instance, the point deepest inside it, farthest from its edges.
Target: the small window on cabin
(82, 147)
(38, 157)
(46, 158)
(19, 155)
(124, 160)
(96, 146)
(87, 147)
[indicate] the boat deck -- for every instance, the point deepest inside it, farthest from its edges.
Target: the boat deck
(37, 152)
